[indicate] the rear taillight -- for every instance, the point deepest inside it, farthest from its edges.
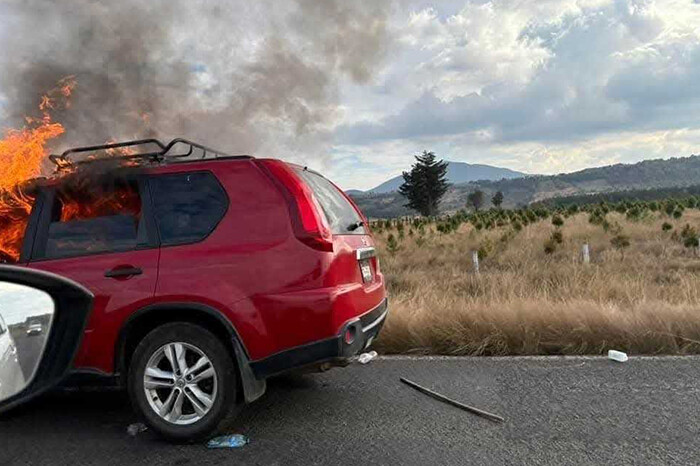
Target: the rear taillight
(309, 222)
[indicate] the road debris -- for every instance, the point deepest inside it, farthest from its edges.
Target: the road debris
(618, 356)
(228, 441)
(443, 398)
(366, 358)
(136, 428)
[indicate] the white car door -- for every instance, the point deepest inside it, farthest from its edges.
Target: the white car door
(11, 375)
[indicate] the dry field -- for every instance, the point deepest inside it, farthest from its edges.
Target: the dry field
(645, 301)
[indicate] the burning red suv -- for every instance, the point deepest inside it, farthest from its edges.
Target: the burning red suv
(211, 273)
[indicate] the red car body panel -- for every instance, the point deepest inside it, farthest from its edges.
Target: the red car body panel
(276, 291)
(115, 299)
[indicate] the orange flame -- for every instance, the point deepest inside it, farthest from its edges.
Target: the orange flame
(22, 153)
(85, 204)
(118, 151)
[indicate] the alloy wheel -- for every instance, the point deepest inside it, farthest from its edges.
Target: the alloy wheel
(180, 383)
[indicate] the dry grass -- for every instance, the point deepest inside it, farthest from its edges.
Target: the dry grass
(527, 302)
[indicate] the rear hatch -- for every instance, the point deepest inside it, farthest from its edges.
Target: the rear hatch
(355, 261)
(344, 282)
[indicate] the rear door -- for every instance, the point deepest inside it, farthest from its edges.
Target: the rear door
(188, 207)
(100, 234)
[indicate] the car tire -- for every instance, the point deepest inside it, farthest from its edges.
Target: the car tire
(182, 381)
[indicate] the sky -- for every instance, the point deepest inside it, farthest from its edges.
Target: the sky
(545, 86)
(355, 89)
(17, 302)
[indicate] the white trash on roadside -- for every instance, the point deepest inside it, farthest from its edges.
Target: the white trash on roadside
(136, 428)
(365, 358)
(228, 441)
(618, 356)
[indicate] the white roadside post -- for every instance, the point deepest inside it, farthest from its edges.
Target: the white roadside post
(586, 253)
(475, 261)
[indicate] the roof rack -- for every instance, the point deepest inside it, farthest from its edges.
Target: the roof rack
(159, 155)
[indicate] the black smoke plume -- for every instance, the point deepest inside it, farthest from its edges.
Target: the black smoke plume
(247, 76)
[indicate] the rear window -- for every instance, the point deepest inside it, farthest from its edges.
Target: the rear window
(188, 206)
(341, 215)
(95, 219)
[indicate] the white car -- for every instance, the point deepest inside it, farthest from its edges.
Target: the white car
(34, 329)
(11, 375)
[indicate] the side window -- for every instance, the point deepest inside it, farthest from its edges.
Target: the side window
(91, 219)
(188, 206)
(15, 207)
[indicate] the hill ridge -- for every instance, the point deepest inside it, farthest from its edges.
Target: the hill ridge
(647, 174)
(457, 173)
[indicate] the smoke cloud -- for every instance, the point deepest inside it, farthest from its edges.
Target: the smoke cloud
(247, 77)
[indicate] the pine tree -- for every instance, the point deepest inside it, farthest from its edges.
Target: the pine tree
(497, 199)
(425, 184)
(476, 199)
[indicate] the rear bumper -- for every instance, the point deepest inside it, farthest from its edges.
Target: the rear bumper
(365, 330)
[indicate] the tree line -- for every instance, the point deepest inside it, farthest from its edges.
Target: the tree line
(426, 184)
(512, 221)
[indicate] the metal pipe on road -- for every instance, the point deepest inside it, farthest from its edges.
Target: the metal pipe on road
(443, 398)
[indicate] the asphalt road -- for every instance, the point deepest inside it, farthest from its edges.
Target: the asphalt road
(29, 349)
(558, 411)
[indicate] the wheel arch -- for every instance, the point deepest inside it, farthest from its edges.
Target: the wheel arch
(140, 323)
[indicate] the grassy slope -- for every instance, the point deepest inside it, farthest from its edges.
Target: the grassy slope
(527, 302)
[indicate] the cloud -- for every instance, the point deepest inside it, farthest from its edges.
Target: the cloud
(502, 75)
(358, 88)
(463, 48)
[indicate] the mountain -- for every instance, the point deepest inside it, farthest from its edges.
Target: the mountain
(649, 174)
(457, 172)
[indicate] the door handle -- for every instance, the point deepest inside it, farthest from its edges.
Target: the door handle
(123, 272)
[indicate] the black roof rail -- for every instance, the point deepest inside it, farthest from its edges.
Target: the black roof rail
(160, 154)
